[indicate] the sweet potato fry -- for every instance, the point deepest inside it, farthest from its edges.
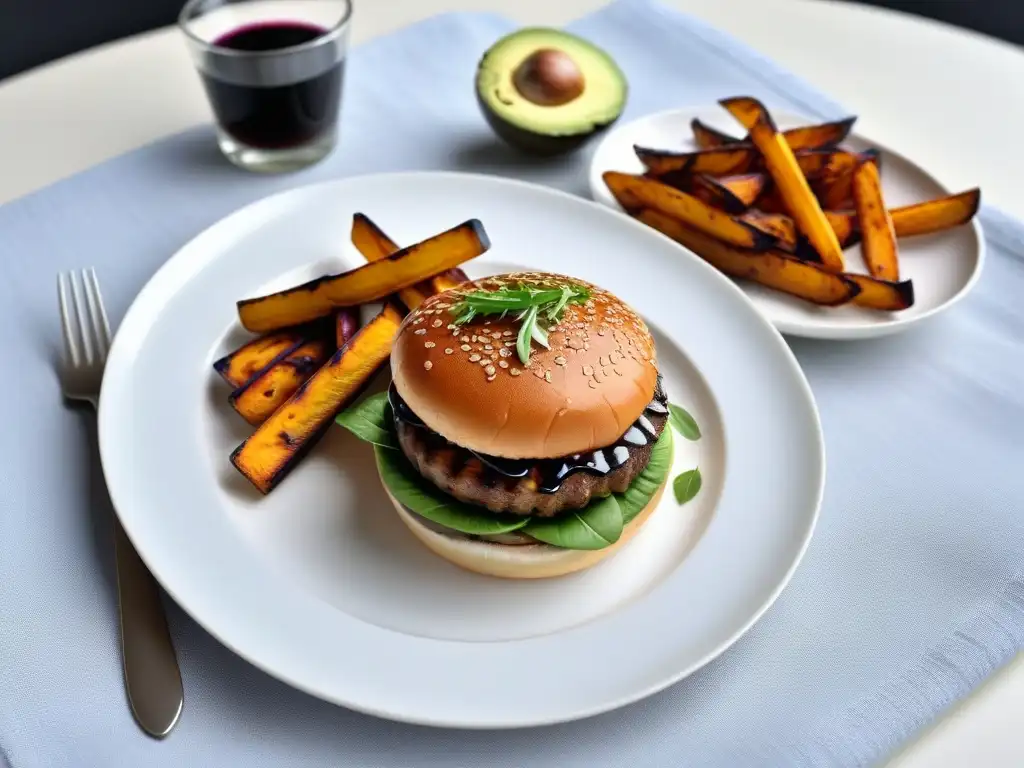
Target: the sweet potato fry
(712, 192)
(638, 192)
(791, 183)
(265, 393)
(236, 368)
(834, 186)
(936, 215)
(746, 187)
(374, 245)
(771, 268)
(280, 442)
(881, 254)
(707, 137)
(346, 323)
(778, 225)
(819, 136)
(723, 161)
(370, 282)
(882, 294)
(917, 219)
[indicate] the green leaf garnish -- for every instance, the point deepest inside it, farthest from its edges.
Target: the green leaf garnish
(427, 500)
(640, 492)
(683, 422)
(368, 420)
(537, 308)
(686, 485)
(596, 526)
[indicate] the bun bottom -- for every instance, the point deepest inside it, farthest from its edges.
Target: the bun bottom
(522, 561)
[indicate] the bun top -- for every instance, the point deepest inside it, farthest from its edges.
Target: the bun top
(467, 383)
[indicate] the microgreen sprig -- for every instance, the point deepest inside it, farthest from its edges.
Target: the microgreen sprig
(535, 308)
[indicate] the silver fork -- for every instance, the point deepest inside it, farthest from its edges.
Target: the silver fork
(151, 674)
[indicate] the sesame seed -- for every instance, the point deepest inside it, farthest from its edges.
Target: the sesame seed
(465, 347)
(617, 371)
(592, 383)
(503, 363)
(489, 370)
(452, 327)
(588, 370)
(429, 344)
(560, 360)
(448, 350)
(417, 321)
(496, 334)
(505, 352)
(464, 339)
(603, 360)
(490, 378)
(473, 358)
(515, 371)
(428, 365)
(506, 333)
(473, 337)
(547, 376)
(420, 331)
(510, 343)
(437, 323)
(537, 372)
(488, 347)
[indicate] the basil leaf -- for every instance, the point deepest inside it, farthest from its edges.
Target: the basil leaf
(369, 420)
(526, 335)
(640, 492)
(683, 422)
(596, 526)
(686, 485)
(427, 500)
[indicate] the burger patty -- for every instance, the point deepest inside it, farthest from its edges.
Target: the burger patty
(462, 474)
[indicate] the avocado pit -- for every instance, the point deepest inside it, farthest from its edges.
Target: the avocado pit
(549, 78)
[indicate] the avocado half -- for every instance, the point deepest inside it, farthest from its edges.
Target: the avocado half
(547, 91)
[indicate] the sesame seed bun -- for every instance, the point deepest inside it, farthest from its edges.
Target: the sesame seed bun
(468, 384)
(521, 561)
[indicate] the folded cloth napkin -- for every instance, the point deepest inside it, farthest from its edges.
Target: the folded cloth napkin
(907, 597)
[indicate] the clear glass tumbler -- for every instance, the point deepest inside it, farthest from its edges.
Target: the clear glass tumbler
(273, 71)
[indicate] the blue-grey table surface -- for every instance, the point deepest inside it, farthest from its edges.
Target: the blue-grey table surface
(910, 593)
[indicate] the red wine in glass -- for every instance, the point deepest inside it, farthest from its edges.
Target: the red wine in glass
(281, 115)
(274, 84)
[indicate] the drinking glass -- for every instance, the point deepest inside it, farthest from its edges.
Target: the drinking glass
(273, 71)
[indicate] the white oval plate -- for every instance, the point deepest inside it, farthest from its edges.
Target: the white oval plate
(321, 585)
(943, 266)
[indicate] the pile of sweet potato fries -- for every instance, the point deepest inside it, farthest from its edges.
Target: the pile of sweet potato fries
(312, 359)
(779, 208)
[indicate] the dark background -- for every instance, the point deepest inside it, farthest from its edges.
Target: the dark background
(33, 32)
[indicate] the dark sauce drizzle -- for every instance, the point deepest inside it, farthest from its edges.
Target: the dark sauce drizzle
(551, 472)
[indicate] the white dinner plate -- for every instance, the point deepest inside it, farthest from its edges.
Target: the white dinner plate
(943, 266)
(321, 585)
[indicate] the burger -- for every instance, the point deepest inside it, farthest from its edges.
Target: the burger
(524, 432)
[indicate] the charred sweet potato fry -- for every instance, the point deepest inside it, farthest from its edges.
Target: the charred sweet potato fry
(634, 192)
(881, 254)
(707, 137)
(917, 219)
(936, 215)
(882, 294)
(722, 161)
(805, 137)
(746, 187)
(346, 323)
(280, 442)
(778, 225)
(374, 245)
(236, 368)
(834, 185)
(370, 282)
(265, 393)
(788, 178)
(771, 268)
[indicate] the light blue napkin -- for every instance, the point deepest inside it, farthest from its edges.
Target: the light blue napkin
(907, 597)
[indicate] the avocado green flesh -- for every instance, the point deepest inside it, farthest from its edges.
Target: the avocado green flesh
(602, 100)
